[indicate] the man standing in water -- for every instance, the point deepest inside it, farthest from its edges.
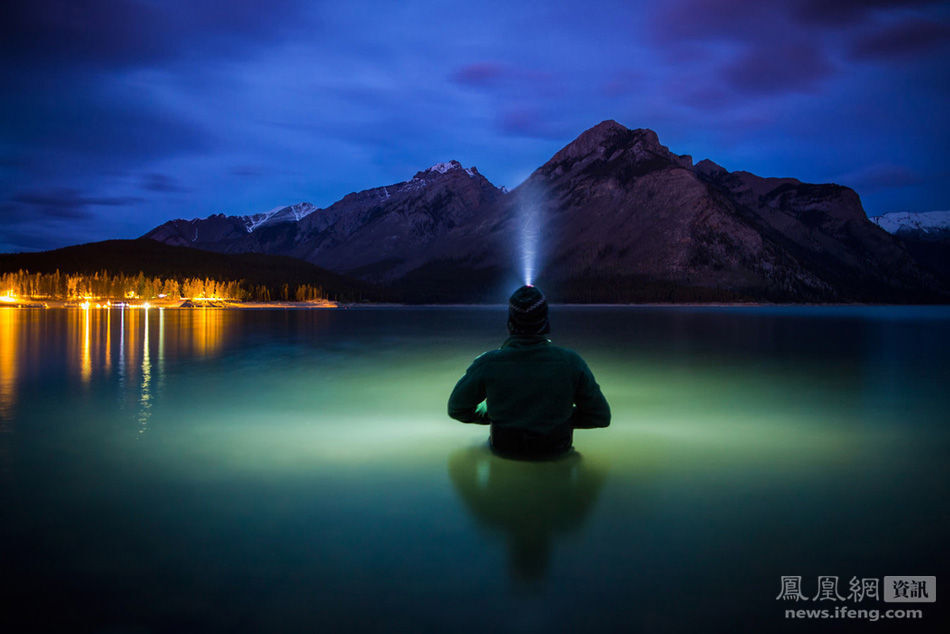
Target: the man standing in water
(533, 394)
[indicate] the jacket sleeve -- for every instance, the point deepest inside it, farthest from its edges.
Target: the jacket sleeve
(590, 407)
(466, 403)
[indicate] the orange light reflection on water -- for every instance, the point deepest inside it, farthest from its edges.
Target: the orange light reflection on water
(121, 356)
(86, 363)
(87, 338)
(145, 398)
(132, 336)
(206, 331)
(9, 340)
(108, 362)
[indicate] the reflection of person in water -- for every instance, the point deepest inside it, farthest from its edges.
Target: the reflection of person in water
(530, 502)
(533, 394)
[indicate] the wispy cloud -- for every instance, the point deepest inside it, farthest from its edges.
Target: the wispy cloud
(162, 183)
(61, 203)
(881, 176)
(896, 42)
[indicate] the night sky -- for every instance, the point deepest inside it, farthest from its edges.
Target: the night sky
(120, 115)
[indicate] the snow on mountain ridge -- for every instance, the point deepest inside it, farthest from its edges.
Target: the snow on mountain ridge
(904, 221)
(252, 222)
(443, 168)
(284, 213)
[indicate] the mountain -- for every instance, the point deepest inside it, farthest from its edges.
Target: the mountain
(925, 235)
(925, 225)
(378, 234)
(628, 212)
(155, 259)
(619, 218)
(227, 233)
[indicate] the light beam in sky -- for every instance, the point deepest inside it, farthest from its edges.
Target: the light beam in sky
(529, 235)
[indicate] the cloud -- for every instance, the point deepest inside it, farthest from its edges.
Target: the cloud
(126, 33)
(489, 74)
(480, 73)
(247, 171)
(849, 12)
(14, 239)
(729, 51)
(521, 97)
(80, 92)
(532, 122)
(60, 203)
(787, 68)
(12, 163)
(704, 95)
(162, 183)
(48, 219)
(96, 120)
(680, 21)
(881, 176)
(623, 84)
(773, 48)
(909, 38)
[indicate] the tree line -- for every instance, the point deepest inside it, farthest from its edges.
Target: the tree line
(106, 285)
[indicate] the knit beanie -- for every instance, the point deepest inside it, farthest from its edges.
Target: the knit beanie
(528, 312)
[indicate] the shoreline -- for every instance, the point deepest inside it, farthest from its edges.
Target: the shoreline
(163, 304)
(328, 304)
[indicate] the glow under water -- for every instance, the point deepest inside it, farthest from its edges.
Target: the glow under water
(295, 471)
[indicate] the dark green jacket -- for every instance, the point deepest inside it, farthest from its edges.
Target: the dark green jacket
(530, 384)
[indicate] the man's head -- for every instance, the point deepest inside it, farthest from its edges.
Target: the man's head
(528, 312)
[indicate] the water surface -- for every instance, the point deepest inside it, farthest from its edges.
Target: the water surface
(294, 470)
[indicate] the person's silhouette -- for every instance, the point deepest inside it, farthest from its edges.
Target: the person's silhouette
(533, 394)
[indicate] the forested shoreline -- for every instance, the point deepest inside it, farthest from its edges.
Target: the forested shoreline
(144, 269)
(117, 286)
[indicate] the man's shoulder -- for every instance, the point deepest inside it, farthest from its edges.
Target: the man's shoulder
(568, 355)
(561, 350)
(485, 357)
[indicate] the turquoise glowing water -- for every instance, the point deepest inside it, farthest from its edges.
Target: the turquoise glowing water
(294, 470)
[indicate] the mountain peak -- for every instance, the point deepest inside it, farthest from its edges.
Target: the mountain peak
(607, 126)
(445, 168)
(609, 136)
(609, 142)
(602, 132)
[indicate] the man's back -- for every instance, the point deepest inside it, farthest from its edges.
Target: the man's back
(533, 394)
(530, 384)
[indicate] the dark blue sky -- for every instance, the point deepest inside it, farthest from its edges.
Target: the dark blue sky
(118, 115)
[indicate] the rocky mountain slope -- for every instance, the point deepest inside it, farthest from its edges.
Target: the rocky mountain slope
(621, 218)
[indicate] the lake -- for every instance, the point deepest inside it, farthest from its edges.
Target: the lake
(295, 470)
